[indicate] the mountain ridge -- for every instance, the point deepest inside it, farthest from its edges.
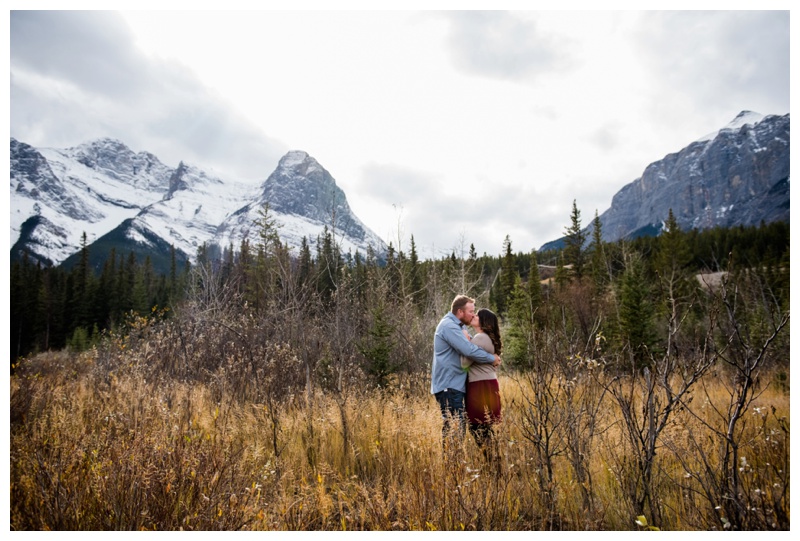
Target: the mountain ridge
(738, 175)
(134, 202)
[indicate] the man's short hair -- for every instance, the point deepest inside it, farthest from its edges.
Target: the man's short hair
(460, 302)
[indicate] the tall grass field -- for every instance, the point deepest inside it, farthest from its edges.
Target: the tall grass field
(139, 434)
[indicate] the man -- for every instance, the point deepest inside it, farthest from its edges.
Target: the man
(448, 379)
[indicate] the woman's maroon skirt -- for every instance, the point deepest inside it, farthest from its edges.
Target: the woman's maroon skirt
(483, 401)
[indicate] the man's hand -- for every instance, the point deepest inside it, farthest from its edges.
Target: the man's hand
(497, 360)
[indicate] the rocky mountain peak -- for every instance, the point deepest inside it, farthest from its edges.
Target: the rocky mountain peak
(305, 197)
(740, 176)
(301, 186)
(115, 159)
(104, 152)
(295, 158)
(742, 119)
(747, 117)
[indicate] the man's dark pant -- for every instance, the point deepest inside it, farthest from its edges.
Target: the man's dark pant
(451, 402)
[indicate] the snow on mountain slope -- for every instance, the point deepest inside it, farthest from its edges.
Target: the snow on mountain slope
(743, 118)
(190, 213)
(78, 190)
(739, 177)
(106, 190)
(736, 176)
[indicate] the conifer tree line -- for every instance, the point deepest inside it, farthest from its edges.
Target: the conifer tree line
(378, 314)
(53, 308)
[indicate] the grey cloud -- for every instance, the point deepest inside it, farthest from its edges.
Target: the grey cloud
(70, 71)
(728, 60)
(485, 216)
(92, 49)
(498, 44)
(437, 215)
(606, 137)
(442, 216)
(397, 185)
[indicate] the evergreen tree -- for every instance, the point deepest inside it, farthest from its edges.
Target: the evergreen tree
(304, 270)
(372, 270)
(636, 312)
(173, 274)
(228, 264)
(414, 275)
(81, 281)
(508, 277)
(378, 347)
(264, 276)
(105, 290)
(474, 270)
(25, 282)
(673, 252)
(149, 278)
(267, 229)
(116, 272)
(128, 283)
(160, 294)
(574, 240)
(360, 278)
(402, 292)
(520, 325)
(676, 285)
(561, 276)
(48, 308)
(243, 270)
(15, 305)
(142, 285)
(599, 268)
(534, 286)
(328, 266)
(451, 269)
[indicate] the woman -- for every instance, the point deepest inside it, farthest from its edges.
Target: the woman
(483, 391)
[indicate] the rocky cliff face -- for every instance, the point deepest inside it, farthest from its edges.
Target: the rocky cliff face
(738, 176)
(112, 158)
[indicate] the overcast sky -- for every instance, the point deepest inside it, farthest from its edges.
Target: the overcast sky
(455, 127)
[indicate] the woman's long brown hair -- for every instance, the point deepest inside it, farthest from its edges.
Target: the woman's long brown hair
(490, 325)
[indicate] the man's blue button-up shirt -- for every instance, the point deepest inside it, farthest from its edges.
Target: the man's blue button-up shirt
(449, 344)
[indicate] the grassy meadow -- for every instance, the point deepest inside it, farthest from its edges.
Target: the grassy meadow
(122, 438)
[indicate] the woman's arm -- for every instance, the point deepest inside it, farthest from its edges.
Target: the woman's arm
(453, 336)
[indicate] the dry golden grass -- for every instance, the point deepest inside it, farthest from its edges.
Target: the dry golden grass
(95, 450)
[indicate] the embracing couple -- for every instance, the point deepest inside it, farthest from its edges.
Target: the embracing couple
(463, 376)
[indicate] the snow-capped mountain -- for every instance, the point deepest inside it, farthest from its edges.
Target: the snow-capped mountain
(305, 198)
(738, 175)
(132, 201)
(57, 195)
(186, 217)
